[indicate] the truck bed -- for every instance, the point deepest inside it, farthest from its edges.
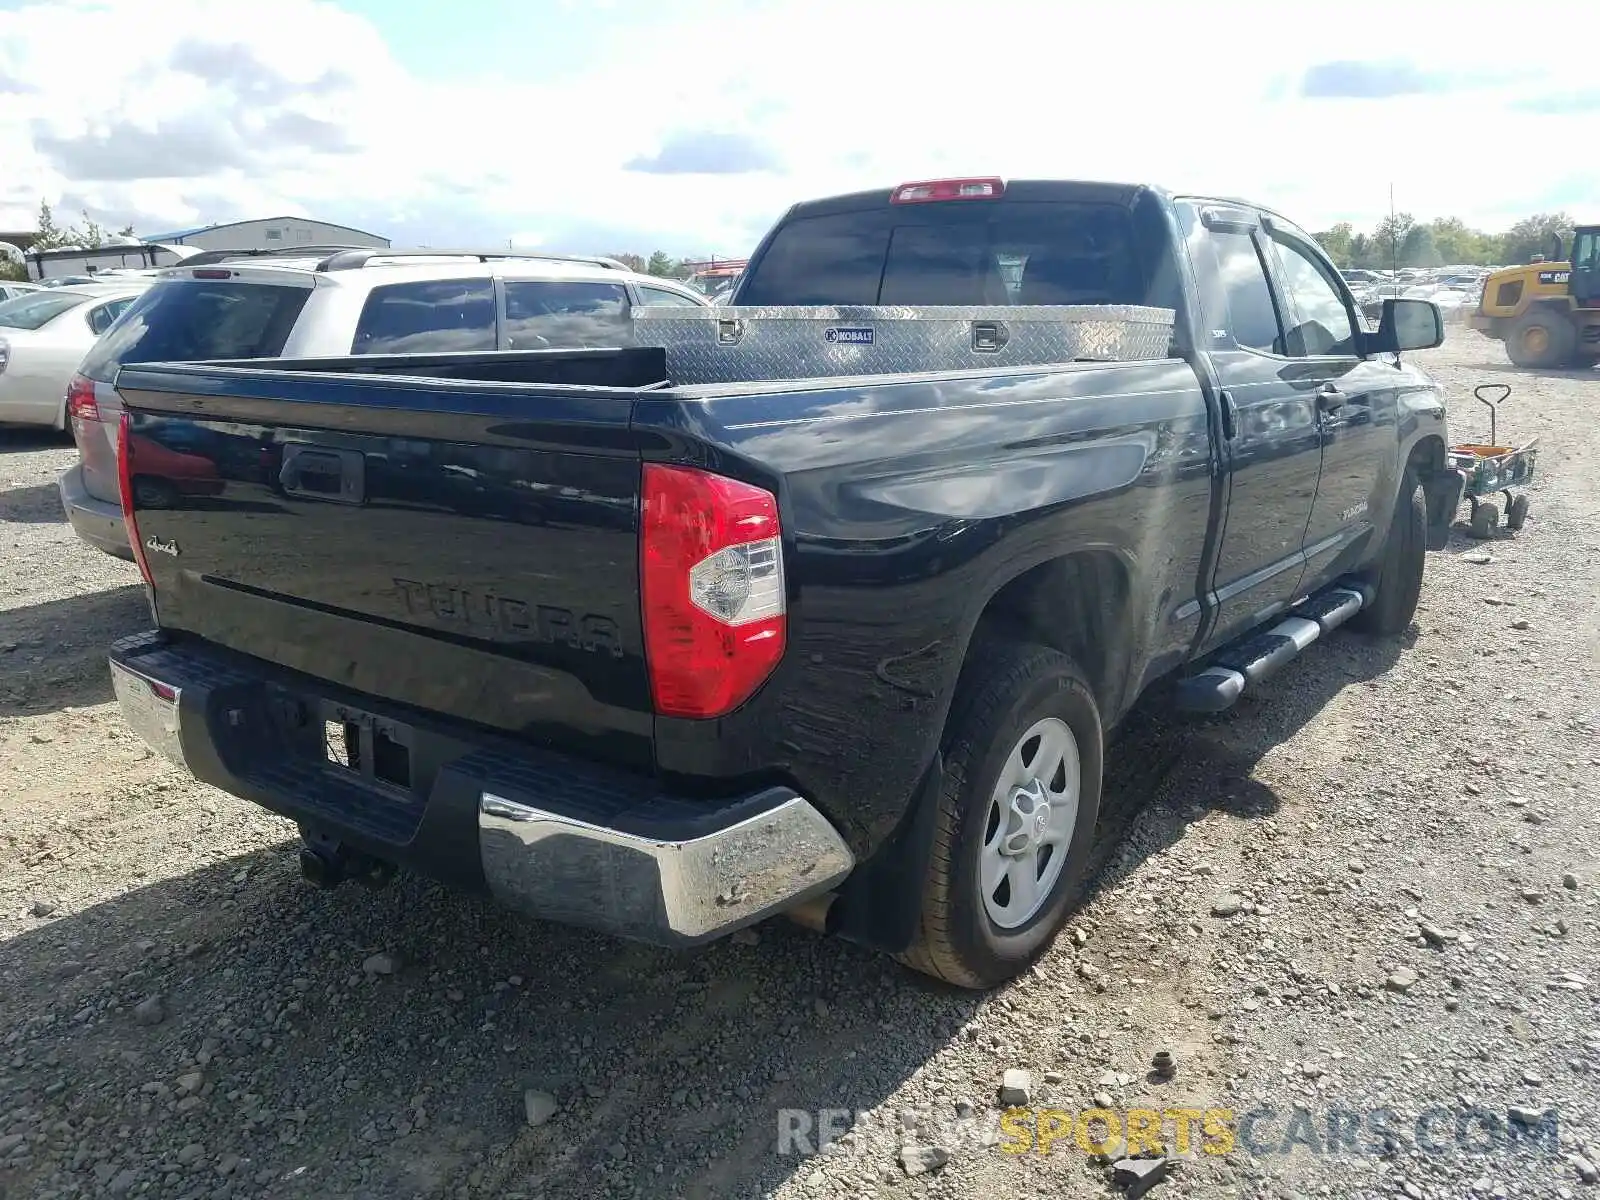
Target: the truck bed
(488, 571)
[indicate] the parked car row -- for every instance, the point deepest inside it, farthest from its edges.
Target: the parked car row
(54, 372)
(1453, 289)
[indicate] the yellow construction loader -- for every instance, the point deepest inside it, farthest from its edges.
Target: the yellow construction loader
(1547, 313)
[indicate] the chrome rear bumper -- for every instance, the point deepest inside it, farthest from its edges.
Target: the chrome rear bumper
(553, 837)
(682, 889)
(150, 707)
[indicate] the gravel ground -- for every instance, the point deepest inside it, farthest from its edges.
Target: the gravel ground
(1406, 838)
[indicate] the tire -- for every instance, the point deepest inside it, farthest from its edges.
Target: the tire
(1013, 692)
(1398, 573)
(1553, 337)
(1517, 513)
(1485, 520)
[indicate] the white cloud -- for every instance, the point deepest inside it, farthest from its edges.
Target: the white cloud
(232, 116)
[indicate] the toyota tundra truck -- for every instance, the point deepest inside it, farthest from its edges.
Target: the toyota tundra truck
(664, 659)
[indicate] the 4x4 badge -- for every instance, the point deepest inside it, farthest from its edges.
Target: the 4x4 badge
(156, 544)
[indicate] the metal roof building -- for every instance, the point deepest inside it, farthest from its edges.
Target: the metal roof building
(269, 233)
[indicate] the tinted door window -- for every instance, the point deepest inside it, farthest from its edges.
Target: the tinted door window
(566, 315)
(1252, 315)
(435, 317)
(650, 295)
(187, 320)
(1320, 323)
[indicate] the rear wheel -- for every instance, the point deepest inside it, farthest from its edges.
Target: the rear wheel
(1016, 817)
(1398, 574)
(1541, 337)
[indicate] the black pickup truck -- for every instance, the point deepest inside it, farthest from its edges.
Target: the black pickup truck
(665, 660)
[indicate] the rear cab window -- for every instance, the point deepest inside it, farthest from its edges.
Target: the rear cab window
(1005, 252)
(191, 320)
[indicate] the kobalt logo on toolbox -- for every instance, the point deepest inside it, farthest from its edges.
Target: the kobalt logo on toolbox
(853, 335)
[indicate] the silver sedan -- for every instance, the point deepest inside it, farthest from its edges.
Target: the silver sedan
(43, 337)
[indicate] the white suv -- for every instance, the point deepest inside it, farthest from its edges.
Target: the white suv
(348, 302)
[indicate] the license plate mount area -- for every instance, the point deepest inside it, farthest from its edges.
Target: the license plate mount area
(376, 749)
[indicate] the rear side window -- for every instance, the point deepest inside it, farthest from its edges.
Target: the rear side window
(434, 317)
(1252, 315)
(183, 320)
(1018, 253)
(563, 316)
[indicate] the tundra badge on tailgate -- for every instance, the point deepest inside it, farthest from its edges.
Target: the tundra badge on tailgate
(510, 616)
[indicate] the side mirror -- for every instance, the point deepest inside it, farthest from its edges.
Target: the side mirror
(1407, 325)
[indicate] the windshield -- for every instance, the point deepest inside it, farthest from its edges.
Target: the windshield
(34, 309)
(1011, 253)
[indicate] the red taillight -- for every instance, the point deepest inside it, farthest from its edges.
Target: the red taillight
(211, 274)
(81, 405)
(711, 577)
(125, 485)
(979, 188)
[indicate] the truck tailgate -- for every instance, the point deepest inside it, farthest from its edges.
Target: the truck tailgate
(459, 547)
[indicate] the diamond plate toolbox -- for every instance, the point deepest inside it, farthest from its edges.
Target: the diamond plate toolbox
(745, 344)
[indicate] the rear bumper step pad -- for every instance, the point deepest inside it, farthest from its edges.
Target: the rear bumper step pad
(1262, 655)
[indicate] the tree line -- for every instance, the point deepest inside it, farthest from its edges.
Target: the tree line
(1398, 240)
(1401, 240)
(53, 235)
(660, 264)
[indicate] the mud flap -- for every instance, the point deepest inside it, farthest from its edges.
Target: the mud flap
(880, 905)
(1443, 492)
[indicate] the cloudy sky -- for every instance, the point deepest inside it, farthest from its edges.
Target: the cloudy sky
(688, 125)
